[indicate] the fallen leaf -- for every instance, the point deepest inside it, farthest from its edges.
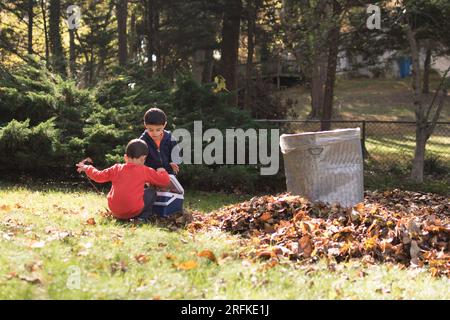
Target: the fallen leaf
(359, 207)
(33, 266)
(208, 254)
(187, 265)
(5, 207)
(119, 266)
(31, 279)
(265, 254)
(306, 246)
(170, 256)
(265, 216)
(362, 273)
(141, 258)
(91, 221)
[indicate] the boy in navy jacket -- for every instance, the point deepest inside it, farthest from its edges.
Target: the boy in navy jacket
(159, 141)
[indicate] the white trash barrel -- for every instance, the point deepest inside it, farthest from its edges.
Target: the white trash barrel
(324, 166)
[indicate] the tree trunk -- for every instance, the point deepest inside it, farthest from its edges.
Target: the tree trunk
(133, 42)
(30, 26)
(150, 8)
(122, 13)
(333, 43)
(44, 18)
(208, 66)
(91, 67)
(57, 52)
(251, 23)
(426, 70)
(319, 76)
(157, 42)
(198, 60)
(419, 153)
(72, 53)
(421, 121)
(230, 46)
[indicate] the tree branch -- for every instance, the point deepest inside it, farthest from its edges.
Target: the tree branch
(430, 129)
(444, 77)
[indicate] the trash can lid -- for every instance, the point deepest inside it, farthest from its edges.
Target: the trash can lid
(296, 141)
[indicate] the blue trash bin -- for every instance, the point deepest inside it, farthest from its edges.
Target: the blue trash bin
(405, 66)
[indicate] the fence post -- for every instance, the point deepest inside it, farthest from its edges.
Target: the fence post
(363, 140)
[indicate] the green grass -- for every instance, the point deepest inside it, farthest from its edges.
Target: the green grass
(384, 182)
(98, 261)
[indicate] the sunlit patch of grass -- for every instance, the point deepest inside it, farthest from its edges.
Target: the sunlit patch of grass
(370, 99)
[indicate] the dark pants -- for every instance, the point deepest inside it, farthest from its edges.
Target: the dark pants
(149, 199)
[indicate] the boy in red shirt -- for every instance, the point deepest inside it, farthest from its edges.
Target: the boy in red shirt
(127, 198)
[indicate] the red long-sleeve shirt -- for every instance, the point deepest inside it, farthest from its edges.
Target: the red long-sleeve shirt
(126, 197)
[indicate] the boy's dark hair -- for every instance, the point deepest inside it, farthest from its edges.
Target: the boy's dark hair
(155, 116)
(136, 148)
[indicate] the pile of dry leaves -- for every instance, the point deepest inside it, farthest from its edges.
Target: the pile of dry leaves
(402, 227)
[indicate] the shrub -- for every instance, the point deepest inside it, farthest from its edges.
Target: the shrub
(28, 148)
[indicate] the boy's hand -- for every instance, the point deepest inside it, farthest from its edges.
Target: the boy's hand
(175, 167)
(81, 167)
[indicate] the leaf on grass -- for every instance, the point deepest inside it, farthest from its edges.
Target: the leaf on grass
(170, 256)
(208, 254)
(362, 273)
(31, 279)
(91, 221)
(265, 254)
(5, 207)
(141, 258)
(119, 266)
(187, 265)
(33, 266)
(11, 275)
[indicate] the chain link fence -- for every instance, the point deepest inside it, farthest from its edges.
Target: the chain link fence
(388, 146)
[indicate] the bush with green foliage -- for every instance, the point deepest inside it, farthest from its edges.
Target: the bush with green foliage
(45, 111)
(47, 124)
(26, 148)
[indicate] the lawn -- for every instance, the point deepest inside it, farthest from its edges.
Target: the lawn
(57, 244)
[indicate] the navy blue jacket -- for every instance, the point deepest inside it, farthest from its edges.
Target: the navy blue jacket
(160, 158)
